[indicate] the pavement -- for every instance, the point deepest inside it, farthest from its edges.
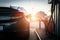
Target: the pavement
(40, 34)
(33, 35)
(45, 36)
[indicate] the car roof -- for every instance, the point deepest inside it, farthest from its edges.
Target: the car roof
(7, 9)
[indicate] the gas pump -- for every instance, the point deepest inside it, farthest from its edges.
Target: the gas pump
(55, 14)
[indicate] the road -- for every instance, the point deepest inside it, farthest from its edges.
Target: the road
(32, 35)
(41, 35)
(45, 36)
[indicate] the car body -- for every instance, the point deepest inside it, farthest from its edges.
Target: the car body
(13, 23)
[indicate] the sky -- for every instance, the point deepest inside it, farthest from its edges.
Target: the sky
(31, 6)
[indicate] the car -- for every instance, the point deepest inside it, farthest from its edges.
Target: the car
(13, 23)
